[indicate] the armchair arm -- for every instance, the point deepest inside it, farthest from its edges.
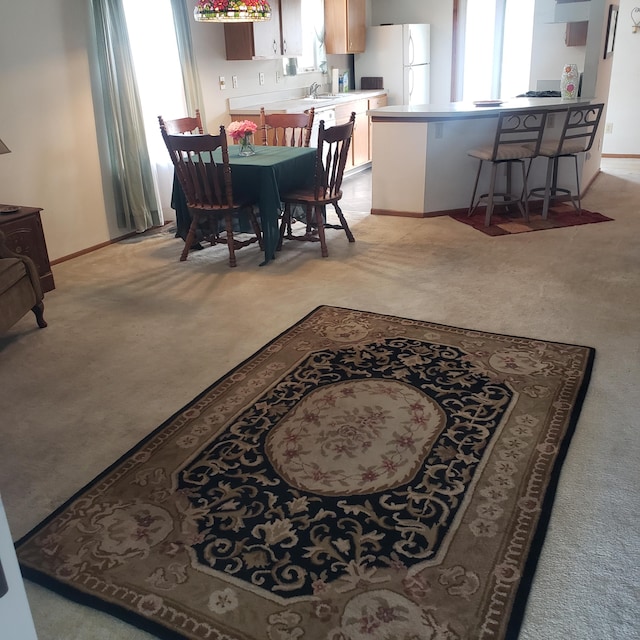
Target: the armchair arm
(5, 252)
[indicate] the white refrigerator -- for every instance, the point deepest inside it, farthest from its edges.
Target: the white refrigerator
(400, 53)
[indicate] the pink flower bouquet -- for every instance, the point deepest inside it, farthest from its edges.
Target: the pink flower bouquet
(239, 130)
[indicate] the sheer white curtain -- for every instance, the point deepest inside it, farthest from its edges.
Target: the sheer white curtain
(154, 49)
(494, 48)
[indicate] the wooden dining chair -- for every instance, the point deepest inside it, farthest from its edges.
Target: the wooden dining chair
(208, 190)
(517, 139)
(182, 125)
(331, 160)
(286, 129)
(577, 136)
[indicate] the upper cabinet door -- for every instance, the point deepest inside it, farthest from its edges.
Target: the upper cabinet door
(356, 26)
(291, 22)
(266, 35)
(254, 40)
(345, 26)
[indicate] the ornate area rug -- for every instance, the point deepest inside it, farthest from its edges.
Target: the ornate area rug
(360, 477)
(502, 224)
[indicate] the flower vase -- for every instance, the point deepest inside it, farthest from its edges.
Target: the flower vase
(569, 82)
(246, 145)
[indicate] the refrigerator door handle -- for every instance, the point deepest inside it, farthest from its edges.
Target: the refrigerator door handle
(412, 49)
(411, 82)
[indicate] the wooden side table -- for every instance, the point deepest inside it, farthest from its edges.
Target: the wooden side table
(23, 230)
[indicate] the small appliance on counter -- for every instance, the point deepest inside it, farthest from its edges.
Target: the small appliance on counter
(371, 82)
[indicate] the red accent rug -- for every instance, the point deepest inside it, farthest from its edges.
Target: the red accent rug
(360, 477)
(502, 224)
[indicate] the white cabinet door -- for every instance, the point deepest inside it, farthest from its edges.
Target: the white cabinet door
(266, 35)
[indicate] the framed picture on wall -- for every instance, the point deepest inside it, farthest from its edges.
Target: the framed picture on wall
(612, 22)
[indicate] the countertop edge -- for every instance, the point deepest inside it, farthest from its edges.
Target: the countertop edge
(466, 110)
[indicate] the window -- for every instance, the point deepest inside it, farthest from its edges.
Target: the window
(152, 38)
(497, 39)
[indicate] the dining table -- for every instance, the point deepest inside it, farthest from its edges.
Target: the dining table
(262, 178)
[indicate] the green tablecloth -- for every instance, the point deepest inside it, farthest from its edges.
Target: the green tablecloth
(262, 177)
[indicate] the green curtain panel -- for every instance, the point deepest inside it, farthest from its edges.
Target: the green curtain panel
(136, 202)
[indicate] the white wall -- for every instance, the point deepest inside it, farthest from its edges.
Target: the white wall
(47, 120)
(437, 13)
(624, 93)
(549, 52)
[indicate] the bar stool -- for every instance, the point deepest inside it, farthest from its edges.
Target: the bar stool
(518, 138)
(578, 133)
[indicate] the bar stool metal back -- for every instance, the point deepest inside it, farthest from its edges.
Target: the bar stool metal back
(518, 138)
(578, 133)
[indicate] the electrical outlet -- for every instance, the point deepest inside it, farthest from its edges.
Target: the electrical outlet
(551, 120)
(278, 76)
(439, 130)
(261, 78)
(234, 82)
(608, 128)
(223, 84)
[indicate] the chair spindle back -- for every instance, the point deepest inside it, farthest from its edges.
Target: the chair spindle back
(205, 183)
(331, 158)
(182, 125)
(286, 129)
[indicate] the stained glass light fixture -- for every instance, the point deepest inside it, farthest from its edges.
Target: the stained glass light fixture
(232, 11)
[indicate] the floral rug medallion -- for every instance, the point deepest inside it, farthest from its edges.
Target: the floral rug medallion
(360, 477)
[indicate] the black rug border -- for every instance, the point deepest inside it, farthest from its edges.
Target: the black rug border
(139, 621)
(537, 542)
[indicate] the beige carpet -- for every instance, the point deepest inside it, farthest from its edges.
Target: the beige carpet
(133, 334)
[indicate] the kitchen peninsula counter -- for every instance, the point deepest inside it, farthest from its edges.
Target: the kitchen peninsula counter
(419, 153)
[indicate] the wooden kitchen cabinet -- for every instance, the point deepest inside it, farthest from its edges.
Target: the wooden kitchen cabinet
(345, 26)
(24, 235)
(359, 150)
(275, 38)
(576, 34)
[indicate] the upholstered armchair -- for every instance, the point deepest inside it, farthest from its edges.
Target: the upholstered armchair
(19, 288)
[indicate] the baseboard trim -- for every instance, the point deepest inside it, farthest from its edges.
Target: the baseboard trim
(620, 155)
(400, 214)
(95, 247)
(499, 207)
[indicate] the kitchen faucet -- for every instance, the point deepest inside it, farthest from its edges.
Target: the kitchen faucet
(313, 90)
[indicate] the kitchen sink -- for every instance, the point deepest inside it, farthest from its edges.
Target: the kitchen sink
(329, 96)
(315, 102)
